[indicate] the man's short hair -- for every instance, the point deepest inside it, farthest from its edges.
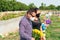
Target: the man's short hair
(32, 10)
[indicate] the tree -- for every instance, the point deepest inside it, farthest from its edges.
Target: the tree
(51, 7)
(43, 6)
(58, 7)
(32, 6)
(12, 5)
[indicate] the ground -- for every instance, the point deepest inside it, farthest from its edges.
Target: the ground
(52, 32)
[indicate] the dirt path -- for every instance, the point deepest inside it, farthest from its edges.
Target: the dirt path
(10, 25)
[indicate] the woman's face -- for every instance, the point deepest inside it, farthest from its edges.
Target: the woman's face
(38, 12)
(33, 14)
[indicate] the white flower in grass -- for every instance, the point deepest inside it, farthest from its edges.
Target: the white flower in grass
(6, 34)
(2, 36)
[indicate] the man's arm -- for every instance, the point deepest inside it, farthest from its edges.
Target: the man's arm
(22, 33)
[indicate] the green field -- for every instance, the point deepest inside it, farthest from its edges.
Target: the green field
(7, 16)
(52, 32)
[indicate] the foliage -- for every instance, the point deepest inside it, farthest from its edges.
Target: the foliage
(50, 7)
(12, 5)
(31, 6)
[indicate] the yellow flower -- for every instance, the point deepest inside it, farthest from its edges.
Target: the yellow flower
(38, 32)
(41, 33)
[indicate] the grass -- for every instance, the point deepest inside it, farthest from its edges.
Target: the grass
(11, 15)
(11, 36)
(52, 32)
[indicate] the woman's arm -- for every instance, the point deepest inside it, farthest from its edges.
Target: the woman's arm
(40, 28)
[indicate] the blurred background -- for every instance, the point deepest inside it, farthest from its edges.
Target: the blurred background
(11, 12)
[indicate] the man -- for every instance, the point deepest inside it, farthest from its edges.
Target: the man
(25, 26)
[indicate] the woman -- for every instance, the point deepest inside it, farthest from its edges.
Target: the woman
(36, 24)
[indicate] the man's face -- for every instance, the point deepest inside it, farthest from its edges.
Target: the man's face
(33, 14)
(28, 15)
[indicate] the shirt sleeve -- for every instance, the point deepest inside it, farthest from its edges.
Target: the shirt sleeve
(22, 31)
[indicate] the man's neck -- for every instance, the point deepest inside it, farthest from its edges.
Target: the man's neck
(27, 17)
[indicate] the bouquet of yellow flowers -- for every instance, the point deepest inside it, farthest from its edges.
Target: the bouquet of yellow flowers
(37, 33)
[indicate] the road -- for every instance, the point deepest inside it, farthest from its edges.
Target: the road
(10, 25)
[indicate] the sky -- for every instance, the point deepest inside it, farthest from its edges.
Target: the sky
(38, 2)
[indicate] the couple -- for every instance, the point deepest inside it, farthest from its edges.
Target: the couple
(28, 22)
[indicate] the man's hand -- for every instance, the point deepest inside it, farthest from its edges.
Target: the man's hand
(33, 39)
